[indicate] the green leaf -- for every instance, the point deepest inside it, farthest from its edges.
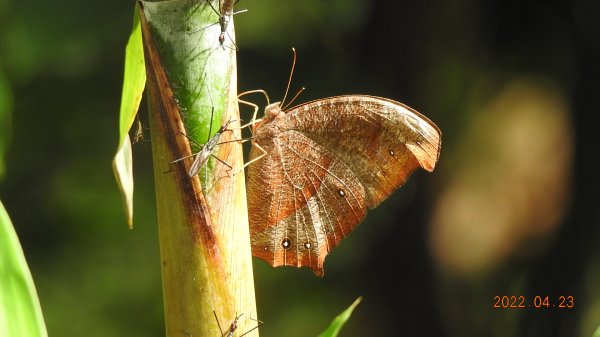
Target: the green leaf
(20, 311)
(597, 332)
(336, 325)
(134, 81)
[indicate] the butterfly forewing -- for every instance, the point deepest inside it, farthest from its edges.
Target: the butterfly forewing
(382, 140)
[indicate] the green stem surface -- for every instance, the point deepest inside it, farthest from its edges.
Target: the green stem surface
(203, 225)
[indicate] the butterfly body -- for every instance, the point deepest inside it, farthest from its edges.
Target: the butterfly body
(326, 163)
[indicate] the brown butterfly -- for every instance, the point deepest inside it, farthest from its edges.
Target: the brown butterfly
(320, 165)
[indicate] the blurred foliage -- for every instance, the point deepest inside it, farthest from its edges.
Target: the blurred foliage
(511, 209)
(5, 119)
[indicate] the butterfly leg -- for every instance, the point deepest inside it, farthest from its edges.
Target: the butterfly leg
(255, 107)
(253, 121)
(264, 153)
(253, 160)
(256, 91)
(223, 162)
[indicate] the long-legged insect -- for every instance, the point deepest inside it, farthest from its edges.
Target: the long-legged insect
(233, 327)
(225, 18)
(206, 151)
(225, 13)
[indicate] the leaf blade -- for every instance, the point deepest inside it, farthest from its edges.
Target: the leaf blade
(20, 310)
(336, 325)
(134, 81)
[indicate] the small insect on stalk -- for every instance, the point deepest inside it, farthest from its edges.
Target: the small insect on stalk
(225, 13)
(206, 151)
(233, 327)
(139, 132)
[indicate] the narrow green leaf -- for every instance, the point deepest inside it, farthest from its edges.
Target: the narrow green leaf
(134, 81)
(20, 311)
(597, 332)
(336, 325)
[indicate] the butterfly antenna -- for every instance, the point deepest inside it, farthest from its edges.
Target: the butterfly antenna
(293, 99)
(291, 74)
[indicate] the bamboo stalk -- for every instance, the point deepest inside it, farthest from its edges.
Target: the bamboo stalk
(203, 224)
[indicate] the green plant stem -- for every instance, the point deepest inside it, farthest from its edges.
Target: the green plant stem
(203, 225)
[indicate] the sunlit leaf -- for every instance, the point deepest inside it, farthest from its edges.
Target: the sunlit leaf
(123, 170)
(336, 325)
(134, 81)
(20, 311)
(597, 332)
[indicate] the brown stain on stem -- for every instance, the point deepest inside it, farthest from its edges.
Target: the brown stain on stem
(170, 125)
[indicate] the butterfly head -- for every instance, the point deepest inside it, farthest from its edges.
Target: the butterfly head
(273, 110)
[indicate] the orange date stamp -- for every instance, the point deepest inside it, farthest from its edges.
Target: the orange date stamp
(537, 302)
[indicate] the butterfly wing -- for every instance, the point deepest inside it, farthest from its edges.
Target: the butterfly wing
(326, 163)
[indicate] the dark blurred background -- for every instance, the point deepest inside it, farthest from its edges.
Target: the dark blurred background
(511, 209)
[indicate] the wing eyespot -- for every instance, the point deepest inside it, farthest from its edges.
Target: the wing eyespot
(286, 243)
